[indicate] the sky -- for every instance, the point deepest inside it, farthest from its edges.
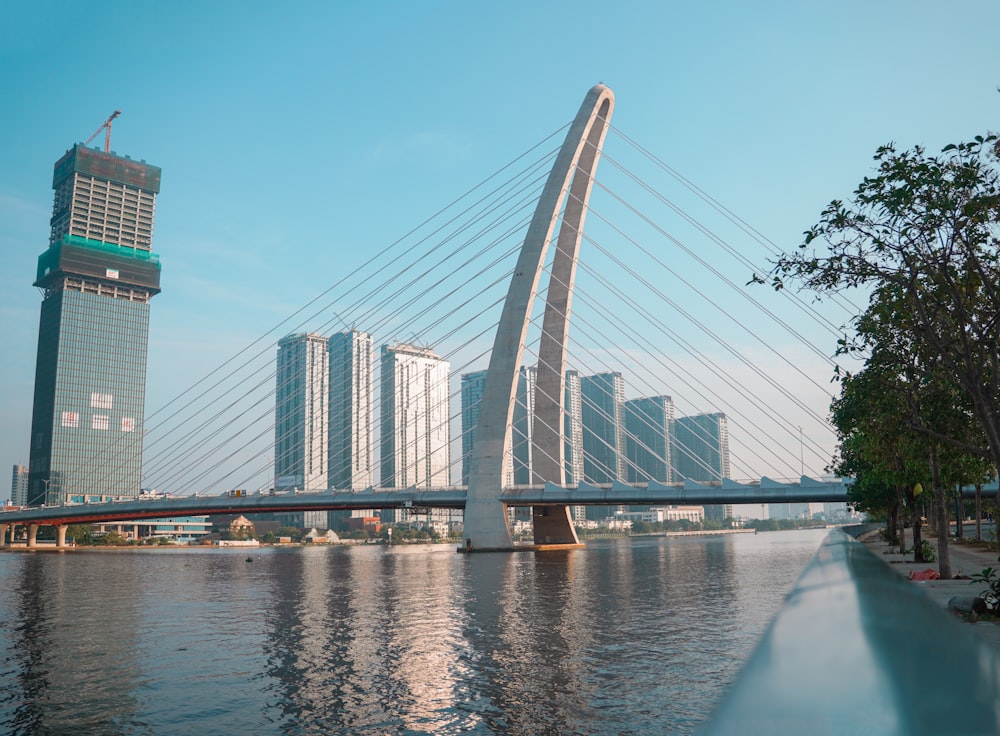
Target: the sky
(296, 140)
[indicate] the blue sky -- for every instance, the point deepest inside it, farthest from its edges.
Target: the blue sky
(296, 139)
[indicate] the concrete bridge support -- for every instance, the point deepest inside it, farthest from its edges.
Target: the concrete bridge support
(61, 536)
(3, 534)
(33, 535)
(486, 524)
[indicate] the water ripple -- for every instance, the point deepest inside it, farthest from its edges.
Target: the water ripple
(622, 637)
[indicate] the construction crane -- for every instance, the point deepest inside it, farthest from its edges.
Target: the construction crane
(106, 127)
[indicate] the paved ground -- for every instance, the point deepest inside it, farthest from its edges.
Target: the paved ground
(966, 559)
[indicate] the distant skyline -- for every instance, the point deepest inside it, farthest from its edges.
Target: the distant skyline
(297, 141)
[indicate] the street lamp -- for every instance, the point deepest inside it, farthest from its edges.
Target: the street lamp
(802, 457)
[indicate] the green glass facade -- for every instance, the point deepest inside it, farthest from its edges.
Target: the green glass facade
(90, 386)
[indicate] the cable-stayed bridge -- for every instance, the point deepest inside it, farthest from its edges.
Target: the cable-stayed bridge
(657, 296)
(541, 497)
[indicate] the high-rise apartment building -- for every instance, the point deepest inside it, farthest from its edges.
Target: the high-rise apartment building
(517, 464)
(701, 447)
(700, 452)
(414, 425)
(573, 438)
(522, 426)
(97, 276)
(603, 397)
(472, 387)
(351, 463)
(19, 486)
(301, 405)
(603, 412)
(648, 422)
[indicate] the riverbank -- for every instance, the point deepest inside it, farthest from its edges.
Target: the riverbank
(966, 559)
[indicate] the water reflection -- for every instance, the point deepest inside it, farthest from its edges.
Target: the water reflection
(368, 639)
(630, 636)
(69, 649)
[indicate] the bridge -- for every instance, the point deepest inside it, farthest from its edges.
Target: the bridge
(542, 497)
(545, 496)
(555, 224)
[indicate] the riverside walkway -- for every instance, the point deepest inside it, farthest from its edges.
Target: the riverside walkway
(966, 559)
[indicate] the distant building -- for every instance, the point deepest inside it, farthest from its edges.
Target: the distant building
(788, 511)
(98, 277)
(19, 486)
(184, 529)
(522, 426)
(660, 514)
(415, 421)
(573, 436)
(603, 398)
(700, 452)
(648, 423)
(603, 413)
(517, 464)
(472, 386)
(573, 428)
(648, 428)
(301, 402)
(351, 463)
(694, 514)
(301, 430)
(236, 524)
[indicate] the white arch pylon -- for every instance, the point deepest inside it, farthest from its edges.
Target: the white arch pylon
(486, 525)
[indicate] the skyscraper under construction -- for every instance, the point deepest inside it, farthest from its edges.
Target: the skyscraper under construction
(97, 277)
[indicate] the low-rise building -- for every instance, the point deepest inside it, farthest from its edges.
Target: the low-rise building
(236, 525)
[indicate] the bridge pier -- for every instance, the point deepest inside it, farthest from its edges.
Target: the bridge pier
(3, 534)
(61, 536)
(553, 525)
(33, 534)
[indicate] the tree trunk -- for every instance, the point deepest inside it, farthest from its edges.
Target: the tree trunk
(959, 515)
(940, 513)
(979, 512)
(900, 509)
(918, 554)
(890, 522)
(916, 524)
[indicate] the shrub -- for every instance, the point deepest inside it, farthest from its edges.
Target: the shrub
(991, 579)
(927, 551)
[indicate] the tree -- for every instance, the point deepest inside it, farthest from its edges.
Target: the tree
(112, 538)
(641, 527)
(922, 232)
(878, 448)
(80, 533)
(921, 237)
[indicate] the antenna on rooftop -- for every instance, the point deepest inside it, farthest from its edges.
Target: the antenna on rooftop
(106, 127)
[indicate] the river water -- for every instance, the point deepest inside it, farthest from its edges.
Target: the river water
(629, 636)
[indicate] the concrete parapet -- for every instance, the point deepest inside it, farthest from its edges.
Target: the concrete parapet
(858, 649)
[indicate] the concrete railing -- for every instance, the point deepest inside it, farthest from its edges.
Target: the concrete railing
(858, 649)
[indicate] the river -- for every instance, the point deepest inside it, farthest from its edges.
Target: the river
(628, 636)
